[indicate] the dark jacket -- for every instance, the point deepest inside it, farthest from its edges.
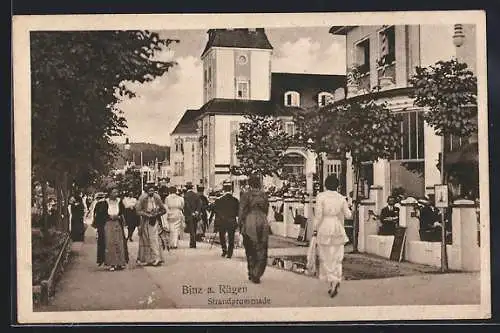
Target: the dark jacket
(192, 206)
(388, 213)
(254, 206)
(101, 213)
(226, 210)
(428, 216)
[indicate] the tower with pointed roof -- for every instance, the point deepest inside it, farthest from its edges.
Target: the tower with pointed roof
(237, 65)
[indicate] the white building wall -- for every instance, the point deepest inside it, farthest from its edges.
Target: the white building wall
(222, 131)
(260, 79)
(225, 85)
(432, 144)
(209, 80)
(436, 43)
(467, 52)
(382, 176)
(190, 159)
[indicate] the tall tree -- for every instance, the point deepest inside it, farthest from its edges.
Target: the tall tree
(447, 91)
(359, 126)
(77, 79)
(261, 145)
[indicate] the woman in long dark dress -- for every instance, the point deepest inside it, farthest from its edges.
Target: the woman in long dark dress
(131, 217)
(254, 227)
(77, 214)
(112, 244)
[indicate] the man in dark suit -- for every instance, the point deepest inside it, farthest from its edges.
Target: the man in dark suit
(389, 217)
(226, 210)
(192, 213)
(204, 212)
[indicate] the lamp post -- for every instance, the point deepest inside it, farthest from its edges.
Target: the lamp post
(127, 148)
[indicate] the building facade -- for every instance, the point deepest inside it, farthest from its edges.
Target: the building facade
(237, 80)
(184, 152)
(402, 47)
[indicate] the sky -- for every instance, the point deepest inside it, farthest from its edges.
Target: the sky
(155, 111)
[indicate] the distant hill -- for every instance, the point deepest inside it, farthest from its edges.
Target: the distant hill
(150, 151)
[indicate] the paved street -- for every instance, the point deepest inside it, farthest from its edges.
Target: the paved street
(201, 278)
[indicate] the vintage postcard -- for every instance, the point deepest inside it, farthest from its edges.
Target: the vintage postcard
(251, 167)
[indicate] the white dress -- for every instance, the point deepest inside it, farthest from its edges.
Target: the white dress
(330, 211)
(174, 217)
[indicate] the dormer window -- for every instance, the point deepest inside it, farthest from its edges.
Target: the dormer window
(325, 98)
(292, 98)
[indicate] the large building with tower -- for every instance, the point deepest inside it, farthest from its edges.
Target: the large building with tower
(237, 79)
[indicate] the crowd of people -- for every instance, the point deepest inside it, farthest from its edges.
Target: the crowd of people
(173, 211)
(161, 216)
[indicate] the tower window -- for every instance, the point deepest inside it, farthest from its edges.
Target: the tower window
(242, 89)
(292, 98)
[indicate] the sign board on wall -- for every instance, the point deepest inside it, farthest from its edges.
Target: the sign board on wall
(441, 196)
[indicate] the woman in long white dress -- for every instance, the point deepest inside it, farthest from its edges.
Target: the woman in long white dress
(174, 216)
(330, 211)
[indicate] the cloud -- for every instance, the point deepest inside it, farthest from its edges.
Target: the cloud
(306, 55)
(160, 104)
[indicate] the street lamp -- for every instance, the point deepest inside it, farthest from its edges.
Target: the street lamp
(127, 144)
(459, 35)
(127, 148)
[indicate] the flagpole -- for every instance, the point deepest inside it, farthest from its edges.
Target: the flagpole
(142, 177)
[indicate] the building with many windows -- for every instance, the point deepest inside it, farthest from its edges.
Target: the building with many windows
(386, 56)
(184, 152)
(238, 80)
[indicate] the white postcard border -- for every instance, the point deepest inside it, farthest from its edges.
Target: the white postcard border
(22, 25)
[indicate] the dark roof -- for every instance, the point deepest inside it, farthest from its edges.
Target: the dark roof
(300, 81)
(243, 38)
(307, 85)
(241, 107)
(187, 124)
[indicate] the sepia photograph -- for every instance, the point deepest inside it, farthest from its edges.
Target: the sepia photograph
(251, 167)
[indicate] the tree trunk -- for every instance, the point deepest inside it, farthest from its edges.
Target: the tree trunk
(343, 176)
(444, 256)
(355, 219)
